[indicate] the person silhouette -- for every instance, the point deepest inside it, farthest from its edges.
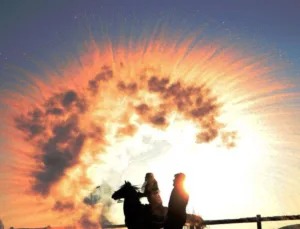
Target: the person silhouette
(176, 216)
(151, 191)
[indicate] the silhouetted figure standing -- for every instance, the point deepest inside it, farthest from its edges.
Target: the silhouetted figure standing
(151, 191)
(176, 216)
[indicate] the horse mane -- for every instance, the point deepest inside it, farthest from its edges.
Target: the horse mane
(135, 187)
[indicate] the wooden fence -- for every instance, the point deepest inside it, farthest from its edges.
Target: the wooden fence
(258, 220)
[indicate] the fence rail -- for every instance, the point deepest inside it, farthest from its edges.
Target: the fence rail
(258, 220)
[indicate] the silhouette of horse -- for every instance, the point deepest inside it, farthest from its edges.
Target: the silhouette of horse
(137, 215)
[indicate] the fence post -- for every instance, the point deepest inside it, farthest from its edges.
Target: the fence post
(258, 217)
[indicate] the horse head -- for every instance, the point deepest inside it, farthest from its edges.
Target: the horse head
(136, 214)
(126, 190)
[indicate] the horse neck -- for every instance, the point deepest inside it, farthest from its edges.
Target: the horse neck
(131, 203)
(132, 199)
(132, 210)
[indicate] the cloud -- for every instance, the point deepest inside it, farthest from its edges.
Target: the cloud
(63, 128)
(61, 151)
(101, 194)
(152, 148)
(159, 119)
(157, 85)
(142, 109)
(31, 124)
(104, 220)
(87, 223)
(130, 88)
(195, 103)
(63, 206)
(128, 130)
(229, 139)
(55, 128)
(105, 75)
(54, 131)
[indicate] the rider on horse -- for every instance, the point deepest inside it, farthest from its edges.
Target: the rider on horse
(151, 191)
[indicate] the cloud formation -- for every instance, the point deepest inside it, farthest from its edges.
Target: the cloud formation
(87, 223)
(64, 129)
(55, 126)
(63, 206)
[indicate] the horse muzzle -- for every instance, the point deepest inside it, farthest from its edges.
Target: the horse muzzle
(113, 196)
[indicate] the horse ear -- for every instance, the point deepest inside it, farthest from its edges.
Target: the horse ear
(126, 182)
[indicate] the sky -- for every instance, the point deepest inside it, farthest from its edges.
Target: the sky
(96, 92)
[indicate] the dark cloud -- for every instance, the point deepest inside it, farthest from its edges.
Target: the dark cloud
(96, 132)
(157, 85)
(203, 110)
(130, 88)
(55, 111)
(63, 206)
(93, 86)
(210, 128)
(31, 124)
(86, 223)
(61, 151)
(193, 102)
(55, 131)
(68, 98)
(172, 90)
(91, 200)
(61, 103)
(58, 140)
(105, 75)
(53, 105)
(207, 135)
(158, 119)
(142, 109)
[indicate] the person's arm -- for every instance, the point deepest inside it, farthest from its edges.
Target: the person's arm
(154, 186)
(141, 194)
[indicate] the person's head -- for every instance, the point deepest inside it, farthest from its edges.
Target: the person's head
(179, 179)
(149, 176)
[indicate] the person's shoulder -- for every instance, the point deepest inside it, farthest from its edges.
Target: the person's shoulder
(173, 191)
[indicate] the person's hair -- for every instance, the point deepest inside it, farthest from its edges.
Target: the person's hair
(149, 175)
(180, 176)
